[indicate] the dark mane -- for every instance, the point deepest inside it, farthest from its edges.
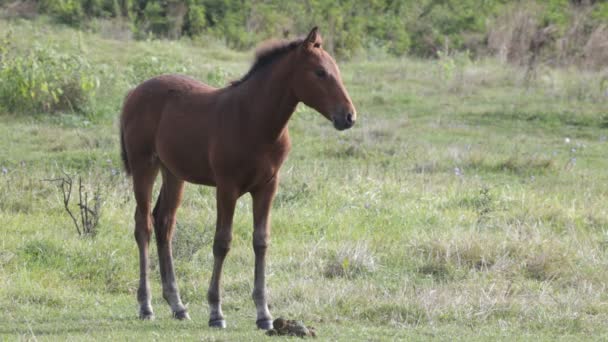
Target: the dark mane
(266, 54)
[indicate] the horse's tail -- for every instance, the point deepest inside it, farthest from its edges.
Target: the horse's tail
(123, 153)
(123, 150)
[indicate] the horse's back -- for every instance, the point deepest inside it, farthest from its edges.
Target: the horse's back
(151, 96)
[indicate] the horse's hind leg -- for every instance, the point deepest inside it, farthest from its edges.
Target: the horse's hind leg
(143, 182)
(164, 222)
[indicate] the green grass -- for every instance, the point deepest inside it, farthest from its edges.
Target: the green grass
(465, 205)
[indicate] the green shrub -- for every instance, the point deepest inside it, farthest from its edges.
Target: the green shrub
(154, 18)
(68, 12)
(141, 68)
(102, 8)
(196, 21)
(600, 12)
(75, 12)
(420, 28)
(44, 80)
(556, 13)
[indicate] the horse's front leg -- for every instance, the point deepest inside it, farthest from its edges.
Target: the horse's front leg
(226, 201)
(262, 201)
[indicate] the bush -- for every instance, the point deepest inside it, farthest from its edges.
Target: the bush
(65, 11)
(75, 12)
(102, 8)
(44, 80)
(195, 20)
(421, 28)
(600, 12)
(141, 68)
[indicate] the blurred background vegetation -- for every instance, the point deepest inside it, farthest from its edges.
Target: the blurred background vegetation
(567, 31)
(45, 77)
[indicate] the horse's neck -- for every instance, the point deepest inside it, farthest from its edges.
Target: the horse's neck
(268, 101)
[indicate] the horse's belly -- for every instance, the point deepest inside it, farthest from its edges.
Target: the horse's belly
(186, 161)
(197, 178)
(192, 169)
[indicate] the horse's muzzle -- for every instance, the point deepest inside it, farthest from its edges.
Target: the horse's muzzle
(342, 122)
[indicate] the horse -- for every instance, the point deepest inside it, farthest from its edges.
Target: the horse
(233, 138)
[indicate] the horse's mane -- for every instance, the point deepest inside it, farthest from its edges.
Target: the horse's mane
(266, 54)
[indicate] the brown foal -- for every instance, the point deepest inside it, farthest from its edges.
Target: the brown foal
(234, 138)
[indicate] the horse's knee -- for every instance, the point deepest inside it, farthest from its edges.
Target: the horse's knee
(221, 247)
(261, 240)
(163, 227)
(143, 228)
(141, 236)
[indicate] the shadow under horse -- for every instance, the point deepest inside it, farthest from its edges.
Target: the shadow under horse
(234, 138)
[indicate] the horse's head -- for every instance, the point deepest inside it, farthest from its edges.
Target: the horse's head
(317, 83)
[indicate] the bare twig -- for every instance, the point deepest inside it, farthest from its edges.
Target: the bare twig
(89, 217)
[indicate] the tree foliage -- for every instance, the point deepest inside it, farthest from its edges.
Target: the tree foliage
(418, 27)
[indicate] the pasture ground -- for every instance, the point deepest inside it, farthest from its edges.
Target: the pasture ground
(466, 204)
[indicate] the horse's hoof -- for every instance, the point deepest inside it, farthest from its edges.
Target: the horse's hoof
(181, 315)
(264, 324)
(146, 315)
(217, 323)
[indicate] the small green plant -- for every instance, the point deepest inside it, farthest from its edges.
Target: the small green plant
(143, 68)
(484, 204)
(447, 64)
(44, 80)
(452, 66)
(217, 77)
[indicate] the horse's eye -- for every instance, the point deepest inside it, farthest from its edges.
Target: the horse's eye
(321, 73)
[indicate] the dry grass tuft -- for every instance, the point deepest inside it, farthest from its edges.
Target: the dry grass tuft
(349, 261)
(22, 8)
(548, 264)
(444, 259)
(512, 34)
(519, 36)
(595, 51)
(541, 259)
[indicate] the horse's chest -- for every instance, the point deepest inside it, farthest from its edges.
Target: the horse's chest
(264, 164)
(253, 166)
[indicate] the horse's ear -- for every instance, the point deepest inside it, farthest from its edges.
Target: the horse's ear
(314, 38)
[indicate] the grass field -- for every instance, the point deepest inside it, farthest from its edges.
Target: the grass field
(466, 204)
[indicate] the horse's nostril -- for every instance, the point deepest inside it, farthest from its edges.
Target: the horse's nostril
(349, 118)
